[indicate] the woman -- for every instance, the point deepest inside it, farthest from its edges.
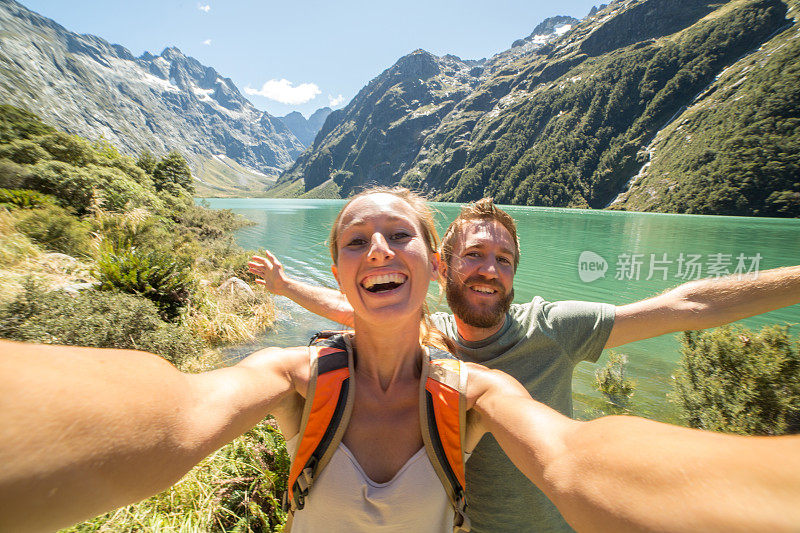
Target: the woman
(87, 430)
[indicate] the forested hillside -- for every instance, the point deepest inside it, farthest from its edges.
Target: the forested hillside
(572, 122)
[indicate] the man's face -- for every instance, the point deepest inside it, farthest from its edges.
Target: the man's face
(480, 276)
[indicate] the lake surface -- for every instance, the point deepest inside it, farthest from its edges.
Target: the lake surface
(634, 246)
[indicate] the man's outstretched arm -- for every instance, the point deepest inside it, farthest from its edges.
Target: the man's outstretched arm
(85, 430)
(705, 304)
(322, 301)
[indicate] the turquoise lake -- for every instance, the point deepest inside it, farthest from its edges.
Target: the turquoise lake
(634, 246)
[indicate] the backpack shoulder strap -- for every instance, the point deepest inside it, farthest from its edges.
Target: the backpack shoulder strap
(329, 402)
(443, 408)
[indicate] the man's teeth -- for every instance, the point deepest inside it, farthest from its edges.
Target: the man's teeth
(485, 290)
(383, 281)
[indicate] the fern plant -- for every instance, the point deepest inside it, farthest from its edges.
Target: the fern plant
(162, 278)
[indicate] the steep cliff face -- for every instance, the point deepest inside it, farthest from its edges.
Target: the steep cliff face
(87, 86)
(566, 126)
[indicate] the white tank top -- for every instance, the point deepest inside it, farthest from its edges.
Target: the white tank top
(344, 499)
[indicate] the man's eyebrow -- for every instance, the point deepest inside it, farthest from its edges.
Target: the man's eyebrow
(482, 245)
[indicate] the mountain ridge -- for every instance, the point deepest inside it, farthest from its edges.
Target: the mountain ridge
(88, 86)
(568, 123)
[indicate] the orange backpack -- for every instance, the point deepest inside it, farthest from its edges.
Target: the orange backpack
(329, 403)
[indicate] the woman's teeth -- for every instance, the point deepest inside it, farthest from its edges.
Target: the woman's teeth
(383, 282)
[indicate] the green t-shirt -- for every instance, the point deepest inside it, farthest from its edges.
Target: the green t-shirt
(539, 344)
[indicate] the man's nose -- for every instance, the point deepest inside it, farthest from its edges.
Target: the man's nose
(379, 248)
(488, 268)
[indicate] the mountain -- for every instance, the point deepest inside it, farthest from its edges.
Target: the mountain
(89, 87)
(377, 136)
(306, 130)
(704, 91)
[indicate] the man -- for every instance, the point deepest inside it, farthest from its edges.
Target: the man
(539, 342)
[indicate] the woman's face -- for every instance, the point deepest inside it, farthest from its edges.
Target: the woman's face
(383, 264)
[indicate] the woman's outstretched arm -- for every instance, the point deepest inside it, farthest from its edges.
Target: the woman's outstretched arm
(621, 473)
(85, 430)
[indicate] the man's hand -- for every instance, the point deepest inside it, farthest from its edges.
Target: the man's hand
(269, 272)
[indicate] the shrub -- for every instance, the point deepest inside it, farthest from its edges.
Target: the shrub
(56, 230)
(103, 320)
(734, 380)
(172, 171)
(13, 175)
(71, 185)
(118, 192)
(227, 315)
(210, 223)
(16, 123)
(157, 276)
(68, 148)
(15, 247)
(611, 380)
(137, 228)
(25, 198)
(23, 152)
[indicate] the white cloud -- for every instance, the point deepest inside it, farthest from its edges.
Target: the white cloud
(334, 101)
(204, 7)
(282, 91)
(207, 42)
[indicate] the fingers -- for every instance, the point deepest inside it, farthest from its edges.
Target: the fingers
(272, 259)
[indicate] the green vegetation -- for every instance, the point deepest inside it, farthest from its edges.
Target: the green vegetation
(737, 150)
(570, 124)
(611, 380)
(56, 230)
(102, 320)
(142, 270)
(166, 281)
(574, 140)
(735, 380)
(24, 198)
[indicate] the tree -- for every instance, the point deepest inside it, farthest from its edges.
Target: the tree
(172, 170)
(147, 161)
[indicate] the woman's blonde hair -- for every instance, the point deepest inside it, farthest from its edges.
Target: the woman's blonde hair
(429, 335)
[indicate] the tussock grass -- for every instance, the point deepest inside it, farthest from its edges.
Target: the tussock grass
(230, 317)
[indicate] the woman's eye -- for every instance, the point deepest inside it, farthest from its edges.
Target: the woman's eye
(504, 260)
(400, 235)
(357, 241)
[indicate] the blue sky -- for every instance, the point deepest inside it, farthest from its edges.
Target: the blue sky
(308, 54)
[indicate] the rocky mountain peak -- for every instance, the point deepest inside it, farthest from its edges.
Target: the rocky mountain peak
(419, 63)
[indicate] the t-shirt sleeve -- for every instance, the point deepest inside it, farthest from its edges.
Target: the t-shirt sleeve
(445, 323)
(581, 328)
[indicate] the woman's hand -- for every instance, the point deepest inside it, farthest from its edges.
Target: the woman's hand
(269, 272)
